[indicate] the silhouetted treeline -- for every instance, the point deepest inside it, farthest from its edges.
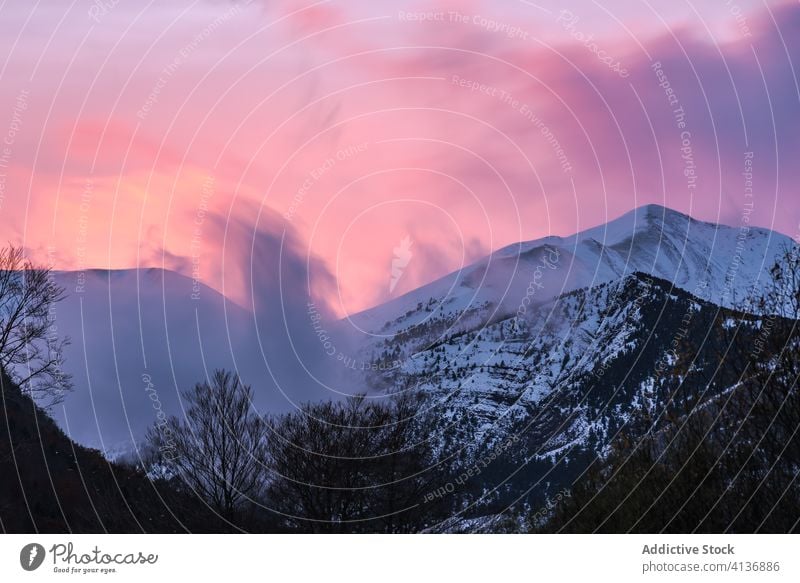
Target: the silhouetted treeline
(705, 451)
(354, 465)
(357, 465)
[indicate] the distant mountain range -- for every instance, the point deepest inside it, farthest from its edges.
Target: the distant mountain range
(559, 340)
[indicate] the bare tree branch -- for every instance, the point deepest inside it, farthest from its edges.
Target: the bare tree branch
(31, 351)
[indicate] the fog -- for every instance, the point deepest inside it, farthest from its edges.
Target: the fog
(140, 337)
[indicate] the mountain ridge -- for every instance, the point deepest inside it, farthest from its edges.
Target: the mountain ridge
(651, 239)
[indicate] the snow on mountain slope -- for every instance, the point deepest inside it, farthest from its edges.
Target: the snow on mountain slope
(563, 380)
(497, 372)
(142, 336)
(716, 262)
(562, 342)
(125, 324)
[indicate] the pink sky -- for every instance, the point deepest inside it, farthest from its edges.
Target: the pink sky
(137, 133)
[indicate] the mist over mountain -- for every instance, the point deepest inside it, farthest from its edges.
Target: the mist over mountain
(140, 328)
(650, 239)
(141, 336)
(531, 363)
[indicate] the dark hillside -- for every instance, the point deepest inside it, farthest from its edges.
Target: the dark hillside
(51, 484)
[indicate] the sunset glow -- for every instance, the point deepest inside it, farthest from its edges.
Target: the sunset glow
(134, 135)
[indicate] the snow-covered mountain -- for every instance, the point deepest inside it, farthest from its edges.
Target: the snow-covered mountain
(565, 381)
(562, 342)
(558, 340)
(715, 261)
(140, 337)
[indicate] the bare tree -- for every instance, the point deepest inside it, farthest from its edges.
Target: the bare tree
(218, 449)
(31, 351)
(357, 465)
(318, 458)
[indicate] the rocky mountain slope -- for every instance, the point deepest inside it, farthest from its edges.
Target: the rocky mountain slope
(565, 343)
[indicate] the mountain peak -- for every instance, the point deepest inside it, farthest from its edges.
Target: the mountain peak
(656, 209)
(652, 239)
(639, 220)
(655, 212)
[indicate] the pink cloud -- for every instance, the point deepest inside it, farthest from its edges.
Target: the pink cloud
(457, 135)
